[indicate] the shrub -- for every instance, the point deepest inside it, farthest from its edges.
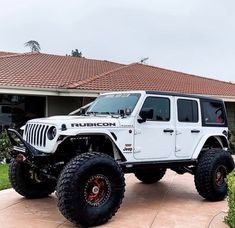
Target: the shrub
(232, 138)
(5, 145)
(230, 218)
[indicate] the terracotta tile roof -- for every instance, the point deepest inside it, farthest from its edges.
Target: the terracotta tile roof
(65, 72)
(49, 71)
(4, 53)
(144, 77)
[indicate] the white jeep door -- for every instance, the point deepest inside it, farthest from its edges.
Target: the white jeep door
(155, 137)
(188, 126)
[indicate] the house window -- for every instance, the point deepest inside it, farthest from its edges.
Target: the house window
(187, 110)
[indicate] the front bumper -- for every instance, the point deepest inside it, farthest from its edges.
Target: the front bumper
(20, 146)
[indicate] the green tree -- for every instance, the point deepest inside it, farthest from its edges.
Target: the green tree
(33, 45)
(76, 53)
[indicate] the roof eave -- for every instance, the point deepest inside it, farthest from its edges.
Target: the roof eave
(37, 91)
(49, 91)
(224, 98)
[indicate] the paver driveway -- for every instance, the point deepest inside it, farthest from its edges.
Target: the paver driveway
(173, 202)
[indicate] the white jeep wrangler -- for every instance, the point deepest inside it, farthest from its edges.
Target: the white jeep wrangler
(84, 157)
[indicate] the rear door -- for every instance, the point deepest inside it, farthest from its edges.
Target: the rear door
(188, 126)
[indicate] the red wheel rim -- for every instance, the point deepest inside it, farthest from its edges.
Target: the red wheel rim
(220, 175)
(97, 190)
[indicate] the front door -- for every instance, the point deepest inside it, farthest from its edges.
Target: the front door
(155, 138)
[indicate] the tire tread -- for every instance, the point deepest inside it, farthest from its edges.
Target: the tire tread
(64, 192)
(204, 173)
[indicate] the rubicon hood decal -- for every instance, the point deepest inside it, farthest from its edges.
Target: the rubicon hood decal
(105, 124)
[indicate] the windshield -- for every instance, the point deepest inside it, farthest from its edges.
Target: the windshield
(113, 103)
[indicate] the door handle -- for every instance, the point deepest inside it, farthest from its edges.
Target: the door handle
(195, 131)
(168, 130)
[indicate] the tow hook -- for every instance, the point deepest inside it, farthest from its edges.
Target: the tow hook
(20, 158)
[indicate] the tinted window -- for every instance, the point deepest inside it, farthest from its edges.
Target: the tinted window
(213, 112)
(187, 110)
(160, 106)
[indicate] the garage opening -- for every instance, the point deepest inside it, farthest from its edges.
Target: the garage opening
(16, 110)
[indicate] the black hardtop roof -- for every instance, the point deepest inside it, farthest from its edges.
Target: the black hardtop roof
(181, 95)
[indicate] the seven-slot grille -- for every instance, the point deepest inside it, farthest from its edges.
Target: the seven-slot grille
(36, 134)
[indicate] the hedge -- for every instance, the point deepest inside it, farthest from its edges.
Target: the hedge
(232, 138)
(230, 218)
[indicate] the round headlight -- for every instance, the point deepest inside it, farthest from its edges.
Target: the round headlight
(51, 134)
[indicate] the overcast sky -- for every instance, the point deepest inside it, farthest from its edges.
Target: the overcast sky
(193, 36)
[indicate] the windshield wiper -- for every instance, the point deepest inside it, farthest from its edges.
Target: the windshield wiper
(112, 114)
(108, 113)
(94, 113)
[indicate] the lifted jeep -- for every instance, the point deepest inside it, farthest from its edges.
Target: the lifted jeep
(84, 157)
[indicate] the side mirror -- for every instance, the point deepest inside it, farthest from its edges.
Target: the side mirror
(145, 114)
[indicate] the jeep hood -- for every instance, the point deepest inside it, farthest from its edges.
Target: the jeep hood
(78, 121)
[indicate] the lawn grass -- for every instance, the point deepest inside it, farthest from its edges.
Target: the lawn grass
(4, 181)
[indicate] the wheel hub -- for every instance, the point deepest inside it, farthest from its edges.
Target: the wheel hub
(97, 190)
(220, 175)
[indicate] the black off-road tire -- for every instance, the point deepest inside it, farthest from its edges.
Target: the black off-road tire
(150, 176)
(213, 167)
(21, 181)
(90, 189)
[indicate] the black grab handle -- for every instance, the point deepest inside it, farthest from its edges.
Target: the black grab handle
(168, 130)
(195, 131)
